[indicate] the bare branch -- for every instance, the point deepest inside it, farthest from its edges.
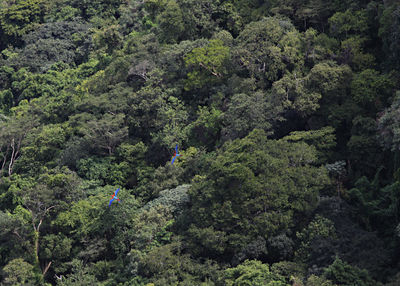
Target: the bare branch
(17, 234)
(46, 268)
(10, 166)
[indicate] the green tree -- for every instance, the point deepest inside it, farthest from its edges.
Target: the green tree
(342, 273)
(293, 92)
(245, 189)
(246, 112)
(365, 151)
(100, 8)
(318, 47)
(171, 22)
(314, 11)
(208, 63)
(66, 41)
(80, 276)
(318, 281)
(371, 89)
(252, 272)
(169, 265)
(107, 39)
(319, 227)
(344, 23)
(267, 49)
(199, 17)
(106, 133)
(12, 137)
(324, 140)
(352, 53)
(18, 272)
(41, 148)
(205, 130)
(19, 17)
(389, 32)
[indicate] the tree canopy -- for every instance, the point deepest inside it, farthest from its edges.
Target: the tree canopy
(287, 118)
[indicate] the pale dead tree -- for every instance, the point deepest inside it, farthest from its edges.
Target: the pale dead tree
(39, 201)
(15, 148)
(141, 70)
(12, 134)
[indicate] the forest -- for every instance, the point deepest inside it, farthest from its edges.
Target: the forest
(286, 114)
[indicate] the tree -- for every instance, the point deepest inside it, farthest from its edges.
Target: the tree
(205, 130)
(378, 205)
(324, 140)
(100, 8)
(168, 265)
(19, 17)
(176, 200)
(344, 23)
(244, 191)
(337, 109)
(371, 90)
(293, 92)
(107, 39)
(319, 227)
(41, 148)
(18, 272)
(38, 200)
(12, 237)
(388, 125)
(252, 272)
(12, 136)
(171, 22)
(199, 18)
(246, 112)
(267, 49)
(65, 41)
(365, 150)
(318, 47)
(208, 63)
(352, 53)
(344, 274)
(389, 32)
(80, 276)
(318, 281)
(107, 132)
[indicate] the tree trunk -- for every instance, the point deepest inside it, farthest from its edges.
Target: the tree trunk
(36, 243)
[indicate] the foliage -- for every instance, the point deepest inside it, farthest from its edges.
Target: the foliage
(19, 17)
(323, 139)
(388, 125)
(343, 274)
(286, 117)
(241, 196)
(246, 112)
(252, 272)
(267, 49)
(208, 63)
(175, 199)
(18, 272)
(319, 227)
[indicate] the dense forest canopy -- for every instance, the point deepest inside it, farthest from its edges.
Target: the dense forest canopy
(287, 118)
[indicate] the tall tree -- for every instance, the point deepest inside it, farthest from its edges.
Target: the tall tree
(244, 195)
